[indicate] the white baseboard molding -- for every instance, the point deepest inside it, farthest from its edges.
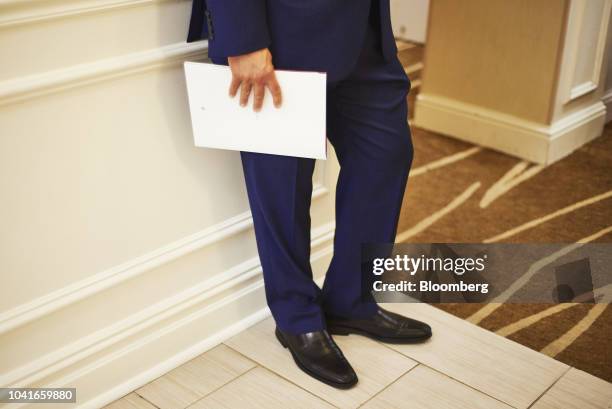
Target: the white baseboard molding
(515, 136)
(199, 347)
(111, 363)
(607, 100)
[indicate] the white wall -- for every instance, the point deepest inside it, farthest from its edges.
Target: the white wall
(409, 18)
(124, 250)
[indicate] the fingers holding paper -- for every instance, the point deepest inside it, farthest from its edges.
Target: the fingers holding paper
(253, 73)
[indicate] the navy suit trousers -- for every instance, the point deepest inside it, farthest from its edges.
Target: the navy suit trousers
(367, 125)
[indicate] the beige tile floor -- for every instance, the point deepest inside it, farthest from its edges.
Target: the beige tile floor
(462, 367)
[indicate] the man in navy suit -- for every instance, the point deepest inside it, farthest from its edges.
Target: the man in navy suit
(352, 41)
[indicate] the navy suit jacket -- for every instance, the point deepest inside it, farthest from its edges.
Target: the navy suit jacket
(313, 35)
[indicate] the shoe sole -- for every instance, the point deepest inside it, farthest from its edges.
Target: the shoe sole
(340, 330)
(309, 372)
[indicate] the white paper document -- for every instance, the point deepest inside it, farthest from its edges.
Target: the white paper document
(297, 128)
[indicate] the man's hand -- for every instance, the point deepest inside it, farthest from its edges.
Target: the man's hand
(254, 72)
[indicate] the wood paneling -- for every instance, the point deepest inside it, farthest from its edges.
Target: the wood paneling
(498, 54)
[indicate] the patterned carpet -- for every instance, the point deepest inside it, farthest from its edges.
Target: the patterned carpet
(461, 193)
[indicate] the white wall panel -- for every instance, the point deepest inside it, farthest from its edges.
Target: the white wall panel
(99, 174)
(119, 238)
(33, 41)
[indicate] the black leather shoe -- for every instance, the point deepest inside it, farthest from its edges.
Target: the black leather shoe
(384, 326)
(317, 354)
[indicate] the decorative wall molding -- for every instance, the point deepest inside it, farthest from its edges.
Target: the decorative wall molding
(82, 348)
(79, 290)
(131, 340)
(607, 100)
(572, 90)
(16, 12)
(110, 395)
(32, 86)
(230, 285)
(528, 140)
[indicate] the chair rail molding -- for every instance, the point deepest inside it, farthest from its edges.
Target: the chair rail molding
(16, 12)
(23, 88)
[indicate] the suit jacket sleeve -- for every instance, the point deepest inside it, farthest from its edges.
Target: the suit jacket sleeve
(237, 27)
